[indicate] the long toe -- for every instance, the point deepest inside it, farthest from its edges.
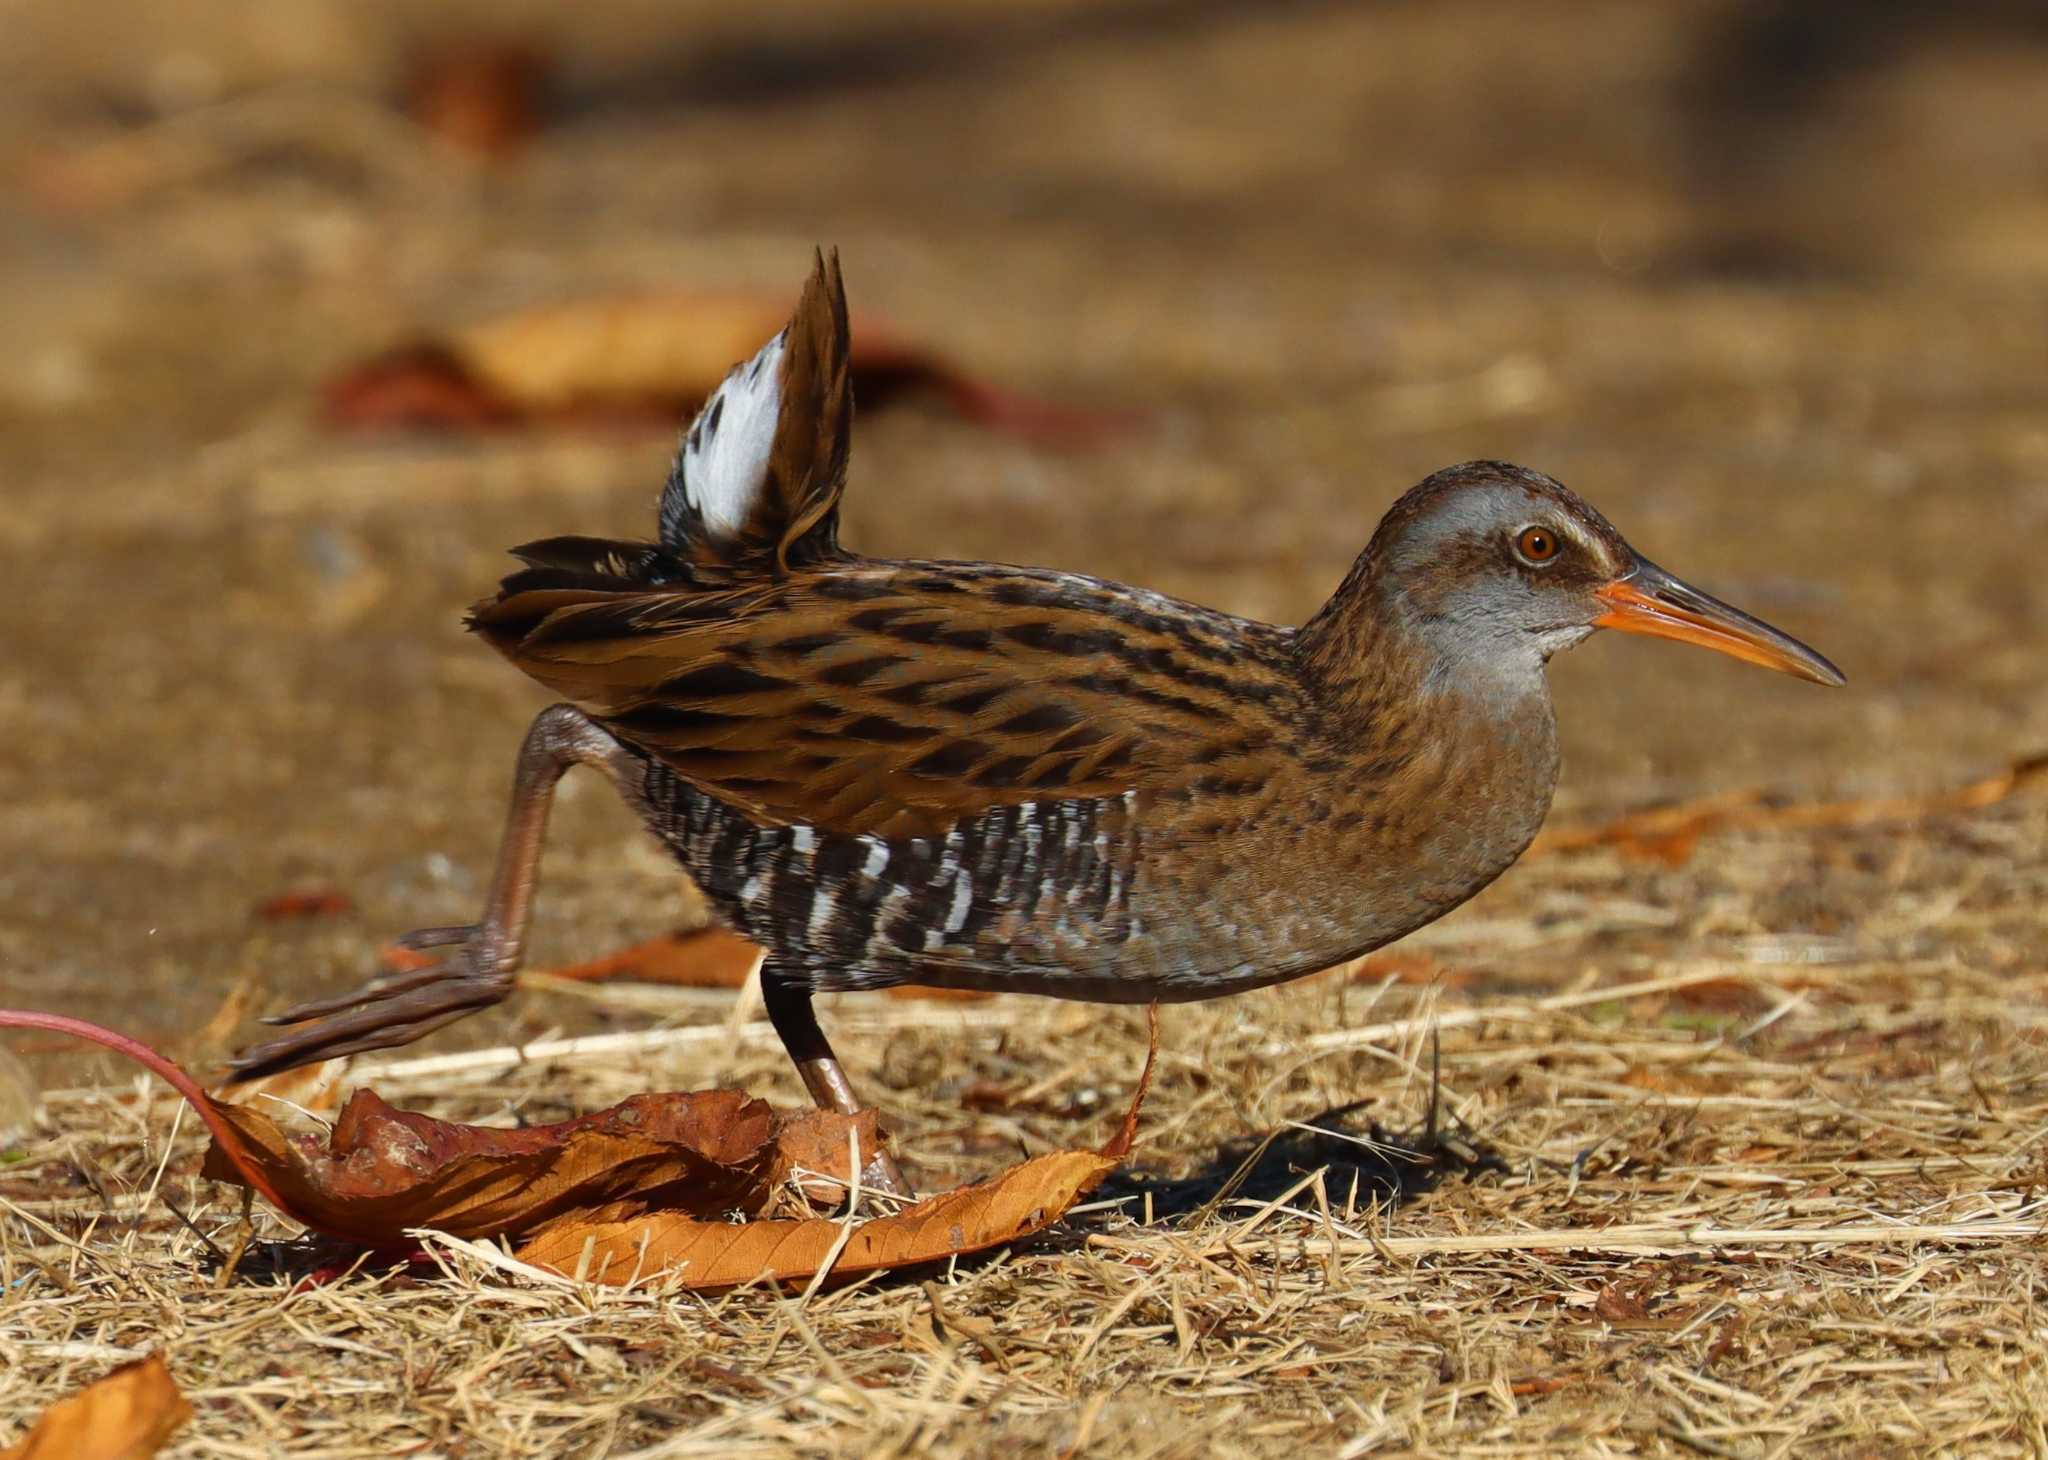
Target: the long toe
(377, 1021)
(421, 939)
(378, 990)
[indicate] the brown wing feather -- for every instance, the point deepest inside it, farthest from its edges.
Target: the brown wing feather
(897, 698)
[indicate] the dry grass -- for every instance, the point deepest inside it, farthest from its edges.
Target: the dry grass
(1742, 1158)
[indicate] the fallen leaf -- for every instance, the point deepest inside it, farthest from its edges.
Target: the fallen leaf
(1620, 1303)
(1626, 1304)
(1022, 1200)
(1723, 995)
(989, 1096)
(128, 1415)
(1025, 1199)
(652, 358)
(1659, 833)
(305, 902)
(1728, 1334)
(624, 1191)
(382, 1171)
(481, 96)
(397, 958)
(937, 996)
(1669, 833)
(812, 1150)
(709, 958)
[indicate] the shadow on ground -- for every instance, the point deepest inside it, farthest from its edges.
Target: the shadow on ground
(1362, 1165)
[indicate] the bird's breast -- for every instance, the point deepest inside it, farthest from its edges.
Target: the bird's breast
(1328, 861)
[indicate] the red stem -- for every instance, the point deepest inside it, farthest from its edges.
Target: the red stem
(231, 1142)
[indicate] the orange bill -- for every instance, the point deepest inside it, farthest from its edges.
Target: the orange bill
(1652, 601)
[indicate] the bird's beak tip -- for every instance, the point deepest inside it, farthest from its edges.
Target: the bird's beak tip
(1648, 600)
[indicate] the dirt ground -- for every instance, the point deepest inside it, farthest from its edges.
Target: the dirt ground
(1768, 284)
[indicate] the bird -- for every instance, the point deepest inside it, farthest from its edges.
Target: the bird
(977, 776)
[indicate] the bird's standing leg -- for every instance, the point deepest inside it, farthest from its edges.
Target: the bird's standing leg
(789, 1010)
(398, 1008)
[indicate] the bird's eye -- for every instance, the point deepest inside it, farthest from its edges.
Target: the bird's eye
(1536, 544)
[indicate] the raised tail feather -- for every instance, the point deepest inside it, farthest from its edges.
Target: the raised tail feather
(754, 492)
(757, 479)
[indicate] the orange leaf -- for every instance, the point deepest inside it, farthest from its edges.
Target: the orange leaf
(1024, 1199)
(128, 1415)
(815, 1142)
(304, 902)
(937, 995)
(480, 96)
(1669, 833)
(708, 958)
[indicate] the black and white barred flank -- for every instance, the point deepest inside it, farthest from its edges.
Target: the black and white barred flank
(1047, 885)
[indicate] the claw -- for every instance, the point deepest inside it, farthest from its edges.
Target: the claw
(392, 1009)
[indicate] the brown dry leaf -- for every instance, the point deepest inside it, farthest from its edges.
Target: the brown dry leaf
(397, 958)
(1721, 995)
(1622, 1303)
(303, 903)
(649, 357)
(1016, 1203)
(710, 958)
(128, 1415)
(811, 1148)
(1020, 1201)
(707, 958)
(382, 1171)
(1659, 833)
(480, 95)
(938, 996)
(1669, 833)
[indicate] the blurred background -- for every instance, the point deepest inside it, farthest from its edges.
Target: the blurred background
(311, 309)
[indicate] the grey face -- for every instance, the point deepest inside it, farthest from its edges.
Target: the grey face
(1498, 566)
(1491, 568)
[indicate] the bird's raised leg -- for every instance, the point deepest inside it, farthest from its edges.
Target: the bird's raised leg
(398, 1008)
(789, 1010)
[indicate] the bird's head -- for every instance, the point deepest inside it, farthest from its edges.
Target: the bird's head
(1498, 567)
